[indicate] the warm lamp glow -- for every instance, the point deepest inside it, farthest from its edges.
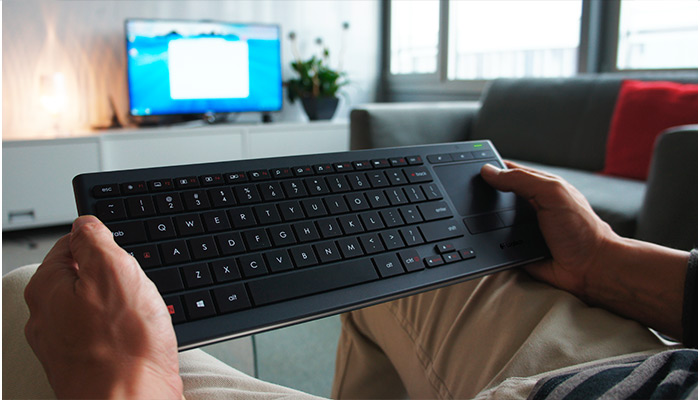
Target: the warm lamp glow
(53, 93)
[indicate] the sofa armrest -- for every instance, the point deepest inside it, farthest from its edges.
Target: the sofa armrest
(669, 214)
(401, 124)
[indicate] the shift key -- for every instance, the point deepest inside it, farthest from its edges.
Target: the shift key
(440, 230)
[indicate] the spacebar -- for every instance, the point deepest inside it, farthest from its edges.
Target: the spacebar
(311, 281)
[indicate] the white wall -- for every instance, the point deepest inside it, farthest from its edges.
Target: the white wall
(84, 40)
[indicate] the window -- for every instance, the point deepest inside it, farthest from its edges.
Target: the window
(658, 35)
(414, 36)
(491, 39)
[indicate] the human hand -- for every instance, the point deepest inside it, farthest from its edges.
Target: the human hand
(575, 235)
(98, 325)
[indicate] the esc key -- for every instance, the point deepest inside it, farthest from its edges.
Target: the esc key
(109, 190)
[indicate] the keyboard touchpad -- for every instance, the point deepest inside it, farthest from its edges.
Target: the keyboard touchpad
(476, 196)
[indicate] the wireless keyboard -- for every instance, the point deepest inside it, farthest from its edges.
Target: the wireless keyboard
(245, 246)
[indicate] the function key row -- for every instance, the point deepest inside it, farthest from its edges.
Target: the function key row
(161, 185)
(462, 156)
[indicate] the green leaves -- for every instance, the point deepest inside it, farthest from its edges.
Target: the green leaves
(316, 79)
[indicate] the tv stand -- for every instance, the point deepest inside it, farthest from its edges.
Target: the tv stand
(164, 120)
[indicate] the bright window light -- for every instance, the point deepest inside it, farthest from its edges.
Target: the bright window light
(506, 38)
(658, 35)
(414, 36)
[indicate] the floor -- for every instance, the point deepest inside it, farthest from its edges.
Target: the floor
(300, 356)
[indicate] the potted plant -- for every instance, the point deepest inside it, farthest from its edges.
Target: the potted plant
(317, 84)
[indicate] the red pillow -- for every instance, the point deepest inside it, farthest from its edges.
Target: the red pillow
(642, 112)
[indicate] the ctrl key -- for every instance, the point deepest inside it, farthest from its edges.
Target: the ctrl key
(199, 305)
(174, 304)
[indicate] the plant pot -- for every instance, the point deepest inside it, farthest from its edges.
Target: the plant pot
(319, 107)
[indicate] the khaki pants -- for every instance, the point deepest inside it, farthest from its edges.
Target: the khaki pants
(489, 338)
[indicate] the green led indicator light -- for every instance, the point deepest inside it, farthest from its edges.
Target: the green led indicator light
(478, 145)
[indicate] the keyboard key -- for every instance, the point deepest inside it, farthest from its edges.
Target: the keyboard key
(199, 305)
(110, 210)
(216, 221)
(128, 232)
(357, 201)
(336, 204)
(134, 188)
(467, 254)
(414, 160)
(109, 190)
(291, 211)
(440, 230)
(196, 275)
(444, 247)
(203, 248)
(279, 260)
(225, 270)
(169, 203)
(230, 243)
(323, 169)
(247, 194)
(338, 183)
(329, 228)
(146, 255)
(271, 191)
(141, 206)
(252, 265)
(231, 298)
(211, 180)
(418, 174)
(371, 243)
(236, 177)
(160, 185)
(317, 186)
(435, 210)
(391, 217)
(174, 305)
(222, 197)
(303, 170)
(392, 239)
(371, 221)
(377, 179)
(388, 265)
(439, 158)
(166, 280)
(410, 214)
(303, 256)
(256, 239)
(314, 208)
(411, 236)
(350, 247)
(360, 165)
(414, 193)
(282, 235)
(432, 192)
(242, 217)
(306, 231)
(188, 225)
(267, 214)
(174, 252)
(358, 181)
(350, 224)
(396, 177)
(382, 163)
(160, 228)
(451, 257)
(377, 199)
(259, 175)
(294, 188)
(186, 182)
(327, 251)
(396, 196)
(307, 282)
(483, 154)
(411, 260)
(433, 261)
(398, 162)
(463, 156)
(279, 173)
(343, 166)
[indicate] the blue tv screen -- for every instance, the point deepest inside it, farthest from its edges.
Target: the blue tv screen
(198, 67)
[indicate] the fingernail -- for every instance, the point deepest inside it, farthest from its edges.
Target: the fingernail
(490, 170)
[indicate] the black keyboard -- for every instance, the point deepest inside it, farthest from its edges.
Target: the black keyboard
(246, 246)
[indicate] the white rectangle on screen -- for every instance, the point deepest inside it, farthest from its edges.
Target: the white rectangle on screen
(208, 69)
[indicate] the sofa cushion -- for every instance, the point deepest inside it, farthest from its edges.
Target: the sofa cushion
(642, 112)
(616, 200)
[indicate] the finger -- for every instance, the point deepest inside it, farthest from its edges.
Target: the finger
(514, 165)
(94, 249)
(57, 266)
(520, 181)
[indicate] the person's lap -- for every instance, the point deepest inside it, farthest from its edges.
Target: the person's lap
(451, 342)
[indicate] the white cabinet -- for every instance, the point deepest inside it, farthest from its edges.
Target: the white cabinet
(37, 174)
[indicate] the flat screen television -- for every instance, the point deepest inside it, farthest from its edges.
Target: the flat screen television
(178, 67)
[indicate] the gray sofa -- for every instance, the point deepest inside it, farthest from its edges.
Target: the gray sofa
(560, 126)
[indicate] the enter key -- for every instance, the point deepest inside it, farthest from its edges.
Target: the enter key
(435, 210)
